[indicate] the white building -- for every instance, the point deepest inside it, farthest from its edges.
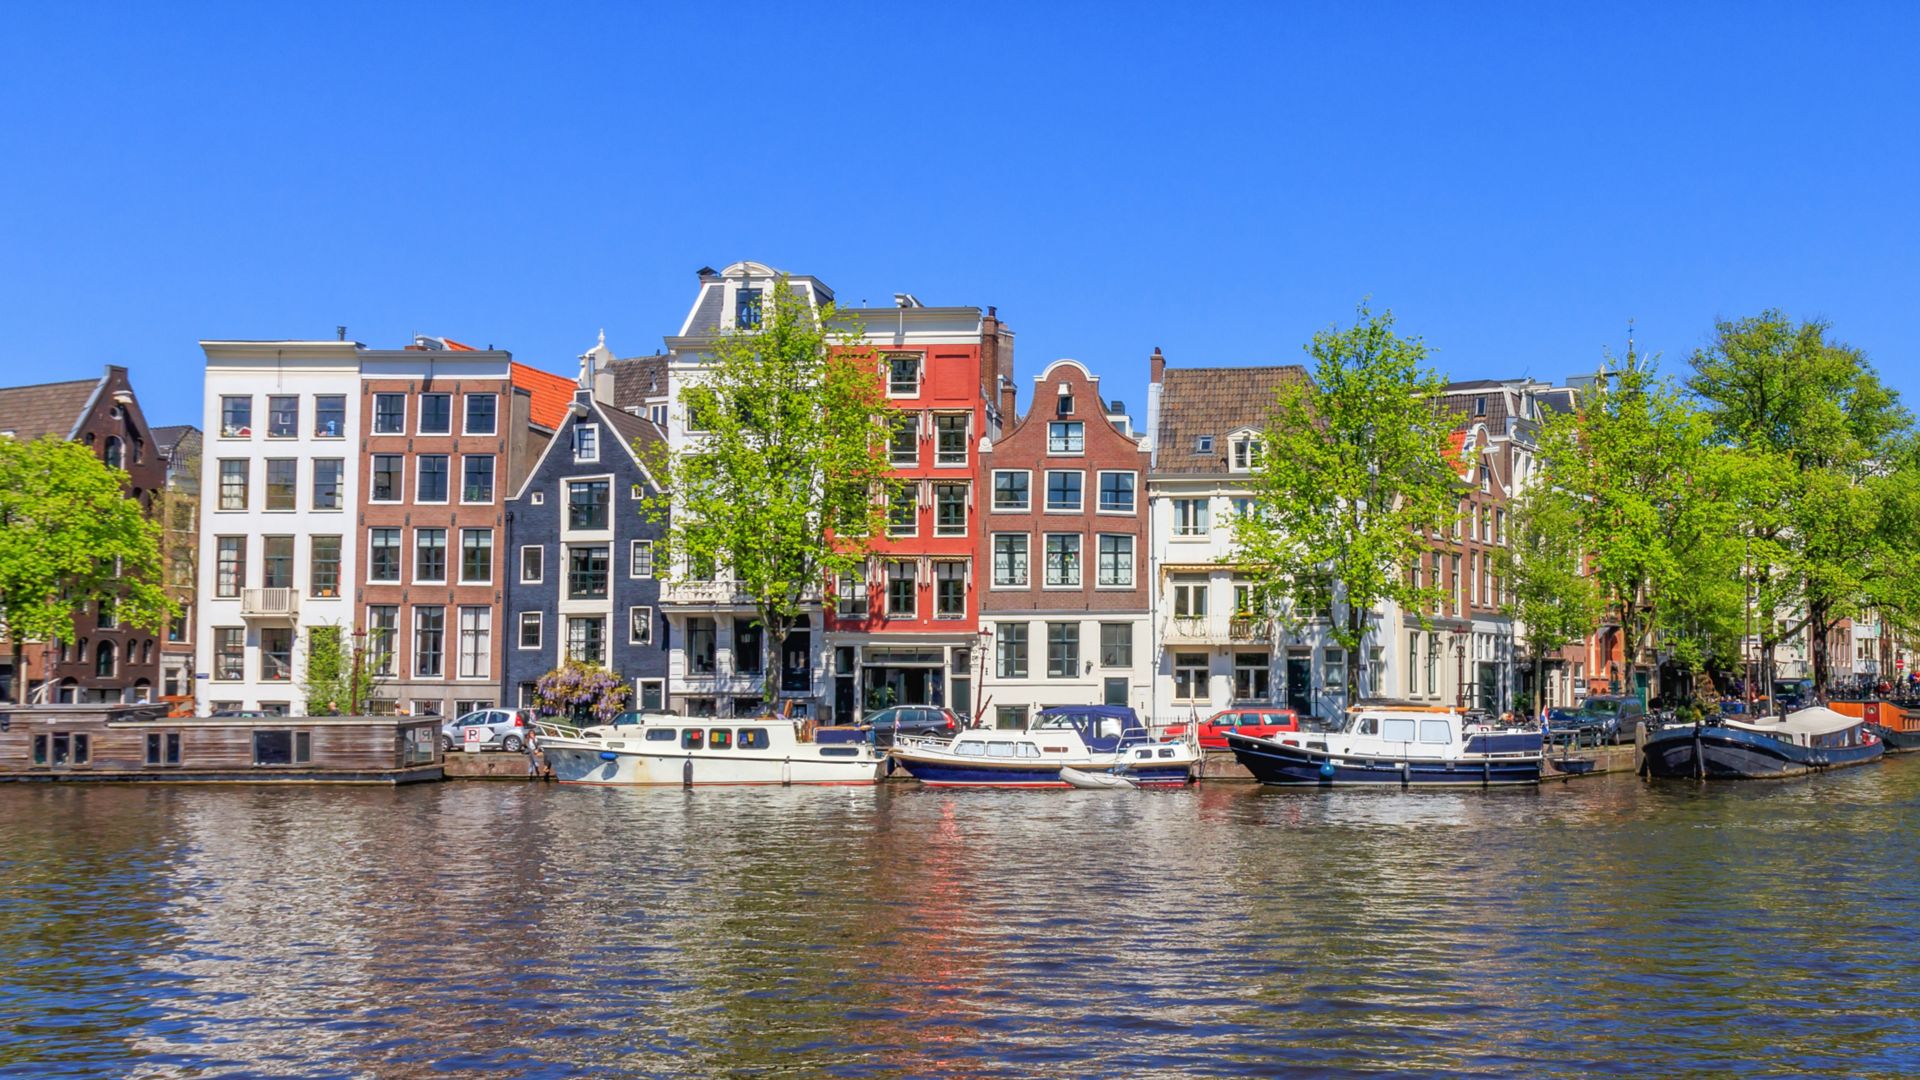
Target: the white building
(279, 492)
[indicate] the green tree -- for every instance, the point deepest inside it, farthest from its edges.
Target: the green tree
(70, 537)
(786, 482)
(1829, 452)
(340, 679)
(1553, 599)
(1635, 472)
(1355, 473)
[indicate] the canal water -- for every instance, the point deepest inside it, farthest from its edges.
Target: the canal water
(525, 930)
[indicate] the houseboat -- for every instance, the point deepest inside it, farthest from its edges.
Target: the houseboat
(1088, 738)
(1396, 745)
(1897, 727)
(1764, 748)
(143, 743)
(659, 748)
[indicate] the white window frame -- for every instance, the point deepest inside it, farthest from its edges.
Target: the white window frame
(401, 494)
(645, 638)
(446, 561)
(419, 462)
(904, 422)
(1046, 503)
(994, 495)
(993, 557)
(373, 420)
(461, 574)
(919, 372)
(400, 563)
(1246, 451)
(966, 587)
(460, 643)
(539, 623)
(966, 440)
(911, 489)
(540, 564)
(420, 415)
(1204, 517)
(966, 507)
(1134, 479)
(1069, 425)
(912, 575)
(466, 414)
(580, 456)
(493, 481)
(1079, 564)
(413, 625)
(1133, 560)
(634, 548)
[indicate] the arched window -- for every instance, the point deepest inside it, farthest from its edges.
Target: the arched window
(146, 652)
(132, 651)
(112, 453)
(103, 659)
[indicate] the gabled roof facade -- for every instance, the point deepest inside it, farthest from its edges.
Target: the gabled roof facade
(1201, 406)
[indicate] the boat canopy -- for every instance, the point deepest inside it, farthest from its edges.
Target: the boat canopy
(1814, 721)
(1101, 727)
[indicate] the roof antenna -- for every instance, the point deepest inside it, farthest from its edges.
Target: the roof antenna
(341, 331)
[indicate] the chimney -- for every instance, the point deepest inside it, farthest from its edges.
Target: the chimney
(1157, 371)
(1156, 366)
(706, 274)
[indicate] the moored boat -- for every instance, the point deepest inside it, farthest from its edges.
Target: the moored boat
(1088, 738)
(1764, 748)
(665, 749)
(1395, 745)
(1897, 727)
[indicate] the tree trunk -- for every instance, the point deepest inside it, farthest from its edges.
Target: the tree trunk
(1819, 630)
(777, 631)
(19, 674)
(1539, 682)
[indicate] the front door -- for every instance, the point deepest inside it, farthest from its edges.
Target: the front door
(1116, 692)
(1300, 684)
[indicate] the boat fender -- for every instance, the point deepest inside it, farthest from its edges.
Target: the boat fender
(686, 773)
(608, 755)
(1326, 770)
(786, 772)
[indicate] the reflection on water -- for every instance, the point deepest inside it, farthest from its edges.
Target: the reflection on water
(1223, 930)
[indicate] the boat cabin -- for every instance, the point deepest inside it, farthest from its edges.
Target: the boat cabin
(1102, 728)
(1816, 728)
(142, 743)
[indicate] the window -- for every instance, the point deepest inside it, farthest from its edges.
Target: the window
(1116, 493)
(236, 417)
(432, 486)
(639, 626)
(1063, 650)
(104, 660)
(1190, 677)
(476, 556)
(902, 590)
(1063, 404)
(229, 565)
(389, 414)
(1479, 406)
(640, 559)
(282, 478)
(1433, 663)
(430, 555)
(482, 414)
(1063, 490)
(1190, 517)
(586, 572)
(233, 484)
(329, 416)
(276, 558)
(851, 596)
(163, 748)
(323, 569)
(177, 628)
(327, 476)
(749, 648)
(587, 504)
(904, 447)
(586, 442)
(950, 439)
(1203, 444)
(1063, 560)
(436, 414)
(746, 308)
(1116, 645)
(282, 747)
(229, 653)
(387, 482)
(1010, 489)
(104, 615)
(1116, 560)
(1413, 662)
(383, 555)
(949, 509)
(530, 629)
(1190, 596)
(903, 374)
(1436, 731)
(1251, 674)
(283, 416)
(586, 639)
(532, 564)
(476, 642)
(903, 512)
(429, 641)
(1486, 477)
(1246, 454)
(949, 590)
(276, 654)
(1334, 674)
(702, 638)
(383, 628)
(1066, 437)
(1010, 645)
(476, 478)
(112, 453)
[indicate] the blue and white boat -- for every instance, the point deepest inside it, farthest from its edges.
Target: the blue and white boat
(1089, 738)
(1764, 748)
(1394, 745)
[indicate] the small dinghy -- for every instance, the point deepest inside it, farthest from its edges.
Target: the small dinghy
(1101, 781)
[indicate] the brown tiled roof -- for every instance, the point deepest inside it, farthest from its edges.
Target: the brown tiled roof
(638, 378)
(1196, 402)
(638, 432)
(46, 409)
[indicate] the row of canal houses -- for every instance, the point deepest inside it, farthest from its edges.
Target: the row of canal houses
(474, 521)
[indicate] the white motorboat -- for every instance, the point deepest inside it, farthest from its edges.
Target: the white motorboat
(664, 749)
(1087, 738)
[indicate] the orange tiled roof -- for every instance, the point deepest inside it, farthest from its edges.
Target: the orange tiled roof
(551, 394)
(455, 346)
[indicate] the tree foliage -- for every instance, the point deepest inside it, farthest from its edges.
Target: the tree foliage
(786, 480)
(70, 537)
(1356, 471)
(340, 677)
(584, 693)
(1554, 601)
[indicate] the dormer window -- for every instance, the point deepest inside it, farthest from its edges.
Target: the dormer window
(1480, 406)
(1246, 453)
(746, 308)
(1064, 405)
(1203, 444)
(586, 442)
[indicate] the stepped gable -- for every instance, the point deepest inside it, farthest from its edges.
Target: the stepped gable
(1214, 401)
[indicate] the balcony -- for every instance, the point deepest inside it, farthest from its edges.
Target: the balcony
(269, 605)
(1248, 628)
(723, 592)
(1201, 630)
(1191, 630)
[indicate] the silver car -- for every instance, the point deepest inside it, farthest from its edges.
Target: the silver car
(498, 729)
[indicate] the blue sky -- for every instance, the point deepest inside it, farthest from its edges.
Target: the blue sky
(1219, 183)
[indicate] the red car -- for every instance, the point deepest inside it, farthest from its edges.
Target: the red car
(1259, 723)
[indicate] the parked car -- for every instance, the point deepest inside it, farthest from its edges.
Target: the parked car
(1611, 717)
(888, 724)
(1259, 723)
(505, 729)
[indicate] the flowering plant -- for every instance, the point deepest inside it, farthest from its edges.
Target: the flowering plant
(580, 692)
